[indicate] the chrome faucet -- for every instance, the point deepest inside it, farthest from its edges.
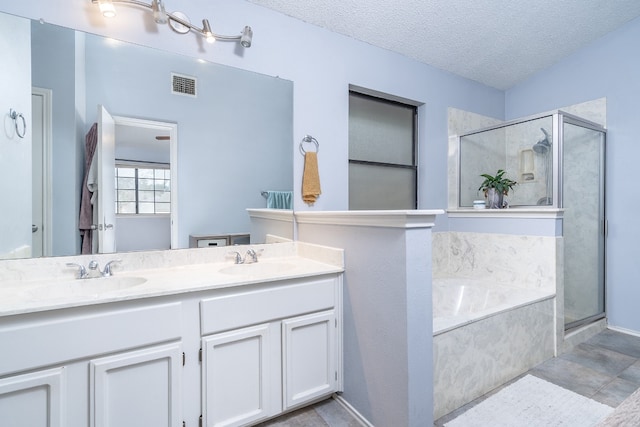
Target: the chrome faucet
(252, 255)
(237, 258)
(93, 266)
(82, 272)
(107, 268)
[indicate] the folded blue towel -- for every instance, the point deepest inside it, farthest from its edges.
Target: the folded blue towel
(279, 199)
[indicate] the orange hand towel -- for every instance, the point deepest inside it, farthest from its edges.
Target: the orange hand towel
(310, 178)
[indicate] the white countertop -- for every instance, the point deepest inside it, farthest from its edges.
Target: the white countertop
(21, 292)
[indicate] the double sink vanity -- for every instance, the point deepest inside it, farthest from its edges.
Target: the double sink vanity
(185, 337)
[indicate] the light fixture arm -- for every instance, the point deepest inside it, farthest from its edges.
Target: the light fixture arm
(244, 38)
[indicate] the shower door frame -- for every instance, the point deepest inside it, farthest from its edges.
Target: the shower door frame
(559, 120)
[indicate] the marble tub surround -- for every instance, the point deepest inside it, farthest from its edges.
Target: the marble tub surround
(472, 360)
(494, 304)
(528, 262)
(22, 282)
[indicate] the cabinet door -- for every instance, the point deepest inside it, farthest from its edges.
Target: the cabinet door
(137, 388)
(33, 400)
(309, 357)
(237, 376)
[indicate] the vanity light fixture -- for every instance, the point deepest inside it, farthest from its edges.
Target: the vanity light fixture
(176, 20)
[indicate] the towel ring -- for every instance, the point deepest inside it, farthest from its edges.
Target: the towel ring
(309, 138)
(14, 116)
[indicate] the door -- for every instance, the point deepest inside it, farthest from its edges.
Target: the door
(41, 172)
(106, 182)
(583, 222)
(137, 388)
(237, 377)
(33, 400)
(309, 357)
(37, 171)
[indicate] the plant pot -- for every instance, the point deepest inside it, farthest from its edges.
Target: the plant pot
(494, 199)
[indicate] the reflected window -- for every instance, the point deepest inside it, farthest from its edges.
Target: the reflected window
(383, 169)
(143, 189)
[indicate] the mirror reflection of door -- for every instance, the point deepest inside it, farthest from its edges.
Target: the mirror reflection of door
(145, 184)
(106, 215)
(41, 172)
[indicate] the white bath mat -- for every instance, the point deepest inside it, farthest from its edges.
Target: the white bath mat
(533, 402)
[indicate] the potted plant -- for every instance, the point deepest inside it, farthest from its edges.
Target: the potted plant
(495, 188)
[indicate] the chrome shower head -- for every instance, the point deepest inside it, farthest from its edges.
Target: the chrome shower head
(542, 146)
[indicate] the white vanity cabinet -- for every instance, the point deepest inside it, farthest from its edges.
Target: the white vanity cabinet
(309, 357)
(265, 348)
(137, 388)
(269, 349)
(107, 366)
(33, 399)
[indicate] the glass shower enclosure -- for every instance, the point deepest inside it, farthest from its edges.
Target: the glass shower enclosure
(558, 161)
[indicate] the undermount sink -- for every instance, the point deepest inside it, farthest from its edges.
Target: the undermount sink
(87, 287)
(257, 269)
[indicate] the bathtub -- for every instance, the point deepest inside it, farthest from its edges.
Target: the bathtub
(485, 334)
(460, 301)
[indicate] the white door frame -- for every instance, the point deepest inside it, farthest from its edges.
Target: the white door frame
(172, 128)
(46, 96)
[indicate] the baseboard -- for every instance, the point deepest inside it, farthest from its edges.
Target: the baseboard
(624, 330)
(347, 406)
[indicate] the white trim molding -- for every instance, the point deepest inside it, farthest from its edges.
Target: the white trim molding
(542, 213)
(381, 218)
(272, 214)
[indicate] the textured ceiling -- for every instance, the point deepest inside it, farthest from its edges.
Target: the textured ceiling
(496, 42)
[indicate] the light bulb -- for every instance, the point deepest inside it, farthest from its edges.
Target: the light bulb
(107, 8)
(247, 35)
(206, 31)
(159, 14)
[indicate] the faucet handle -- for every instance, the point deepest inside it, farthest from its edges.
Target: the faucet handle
(237, 258)
(107, 268)
(253, 254)
(82, 273)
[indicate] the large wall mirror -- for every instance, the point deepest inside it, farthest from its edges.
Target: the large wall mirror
(233, 138)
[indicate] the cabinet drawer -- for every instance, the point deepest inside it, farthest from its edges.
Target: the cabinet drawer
(244, 307)
(42, 339)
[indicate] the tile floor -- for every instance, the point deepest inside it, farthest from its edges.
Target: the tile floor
(605, 368)
(327, 413)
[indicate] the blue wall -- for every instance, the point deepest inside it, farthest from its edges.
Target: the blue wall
(609, 67)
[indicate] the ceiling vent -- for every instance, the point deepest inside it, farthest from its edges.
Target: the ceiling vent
(183, 85)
